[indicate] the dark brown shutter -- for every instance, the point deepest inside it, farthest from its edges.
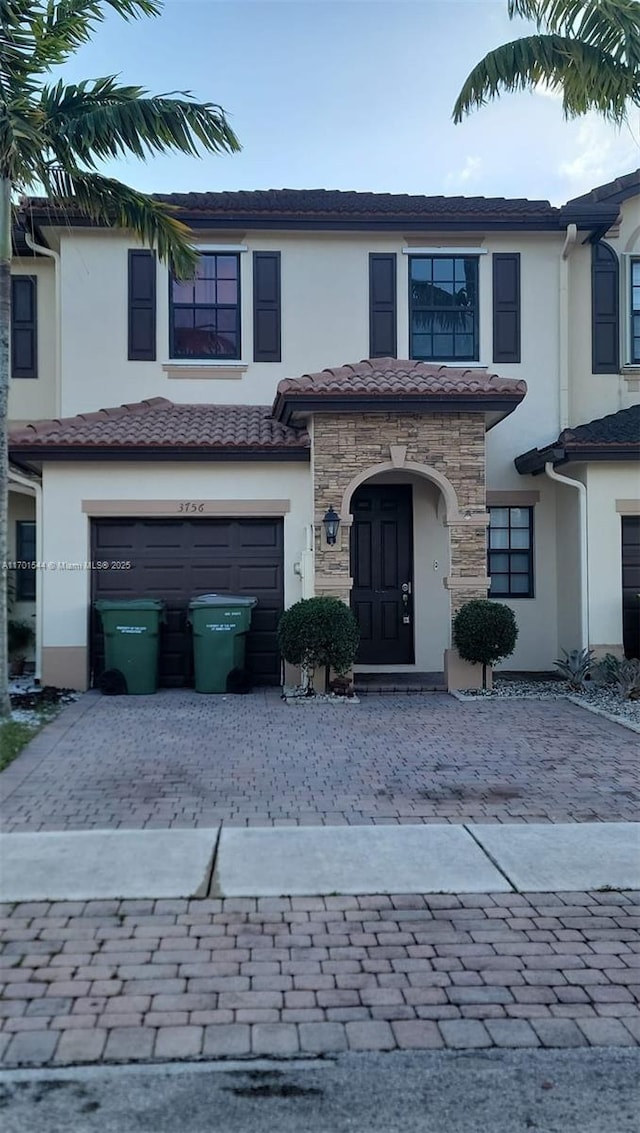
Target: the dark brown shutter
(382, 305)
(24, 326)
(506, 307)
(142, 306)
(605, 310)
(266, 307)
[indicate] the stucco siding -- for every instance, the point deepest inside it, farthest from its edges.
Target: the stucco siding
(607, 483)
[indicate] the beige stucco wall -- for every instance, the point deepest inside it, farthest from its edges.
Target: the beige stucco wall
(66, 535)
(595, 395)
(607, 483)
(31, 398)
(325, 316)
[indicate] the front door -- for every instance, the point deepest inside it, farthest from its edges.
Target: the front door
(381, 567)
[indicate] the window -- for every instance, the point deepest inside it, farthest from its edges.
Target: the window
(205, 311)
(634, 356)
(443, 308)
(25, 551)
(511, 552)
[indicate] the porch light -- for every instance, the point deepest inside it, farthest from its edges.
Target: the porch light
(331, 523)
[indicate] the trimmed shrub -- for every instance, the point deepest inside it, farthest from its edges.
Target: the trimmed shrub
(484, 633)
(319, 631)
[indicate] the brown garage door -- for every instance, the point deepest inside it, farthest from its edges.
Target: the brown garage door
(631, 584)
(177, 559)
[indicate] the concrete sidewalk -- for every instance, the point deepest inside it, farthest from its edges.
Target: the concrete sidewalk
(316, 861)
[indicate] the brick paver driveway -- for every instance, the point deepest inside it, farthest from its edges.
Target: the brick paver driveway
(180, 759)
(138, 980)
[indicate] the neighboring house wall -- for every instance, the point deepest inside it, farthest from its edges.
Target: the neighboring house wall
(595, 395)
(607, 484)
(33, 398)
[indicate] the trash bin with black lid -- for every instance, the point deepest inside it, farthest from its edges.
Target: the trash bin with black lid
(131, 638)
(220, 625)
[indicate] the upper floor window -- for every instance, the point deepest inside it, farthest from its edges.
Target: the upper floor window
(443, 308)
(635, 312)
(205, 311)
(510, 554)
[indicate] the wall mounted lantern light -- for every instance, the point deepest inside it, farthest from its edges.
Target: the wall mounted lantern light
(331, 521)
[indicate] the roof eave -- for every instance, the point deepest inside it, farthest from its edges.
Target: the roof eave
(47, 453)
(286, 405)
(533, 462)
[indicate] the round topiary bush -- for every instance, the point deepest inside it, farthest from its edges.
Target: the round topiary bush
(484, 633)
(319, 631)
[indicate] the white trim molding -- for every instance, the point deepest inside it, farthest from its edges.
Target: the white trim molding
(221, 247)
(449, 251)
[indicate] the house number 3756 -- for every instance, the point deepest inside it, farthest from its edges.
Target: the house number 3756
(190, 506)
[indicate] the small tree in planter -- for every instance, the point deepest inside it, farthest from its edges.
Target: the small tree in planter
(319, 631)
(484, 633)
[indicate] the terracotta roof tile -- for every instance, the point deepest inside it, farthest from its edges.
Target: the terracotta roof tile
(400, 378)
(159, 423)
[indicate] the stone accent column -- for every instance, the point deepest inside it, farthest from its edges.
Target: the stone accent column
(346, 444)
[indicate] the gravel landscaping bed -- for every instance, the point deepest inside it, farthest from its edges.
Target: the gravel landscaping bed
(602, 699)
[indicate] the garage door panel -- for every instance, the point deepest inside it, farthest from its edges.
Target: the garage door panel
(177, 559)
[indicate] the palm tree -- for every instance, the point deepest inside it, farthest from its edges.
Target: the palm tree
(587, 50)
(53, 137)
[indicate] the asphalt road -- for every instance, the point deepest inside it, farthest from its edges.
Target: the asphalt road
(577, 1091)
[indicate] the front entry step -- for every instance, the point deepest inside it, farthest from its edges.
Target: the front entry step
(388, 683)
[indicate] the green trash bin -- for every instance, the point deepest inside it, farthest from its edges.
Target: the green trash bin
(131, 636)
(220, 625)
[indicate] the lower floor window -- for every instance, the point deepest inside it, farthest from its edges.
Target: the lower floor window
(25, 552)
(510, 564)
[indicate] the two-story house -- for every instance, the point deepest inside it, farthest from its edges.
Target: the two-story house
(175, 438)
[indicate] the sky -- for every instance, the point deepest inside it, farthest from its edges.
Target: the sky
(354, 94)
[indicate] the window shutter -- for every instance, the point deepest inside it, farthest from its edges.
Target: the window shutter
(24, 326)
(506, 307)
(142, 306)
(382, 305)
(266, 307)
(605, 310)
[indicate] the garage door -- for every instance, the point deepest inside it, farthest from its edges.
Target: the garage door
(177, 559)
(631, 584)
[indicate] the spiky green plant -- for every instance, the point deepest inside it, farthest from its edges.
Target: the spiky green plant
(588, 51)
(53, 138)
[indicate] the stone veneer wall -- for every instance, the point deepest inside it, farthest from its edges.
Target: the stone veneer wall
(344, 445)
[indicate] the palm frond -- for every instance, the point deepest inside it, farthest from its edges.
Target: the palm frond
(612, 25)
(104, 119)
(107, 201)
(587, 77)
(60, 27)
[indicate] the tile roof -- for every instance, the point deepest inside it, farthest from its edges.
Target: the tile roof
(614, 437)
(398, 377)
(329, 202)
(161, 424)
(621, 428)
(618, 190)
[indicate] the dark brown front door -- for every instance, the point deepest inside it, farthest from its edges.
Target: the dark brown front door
(631, 584)
(381, 567)
(176, 559)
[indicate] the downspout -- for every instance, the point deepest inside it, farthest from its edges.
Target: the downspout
(33, 486)
(567, 248)
(55, 256)
(583, 580)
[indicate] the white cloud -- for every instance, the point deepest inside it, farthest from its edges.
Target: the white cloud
(469, 173)
(545, 91)
(600, 153)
